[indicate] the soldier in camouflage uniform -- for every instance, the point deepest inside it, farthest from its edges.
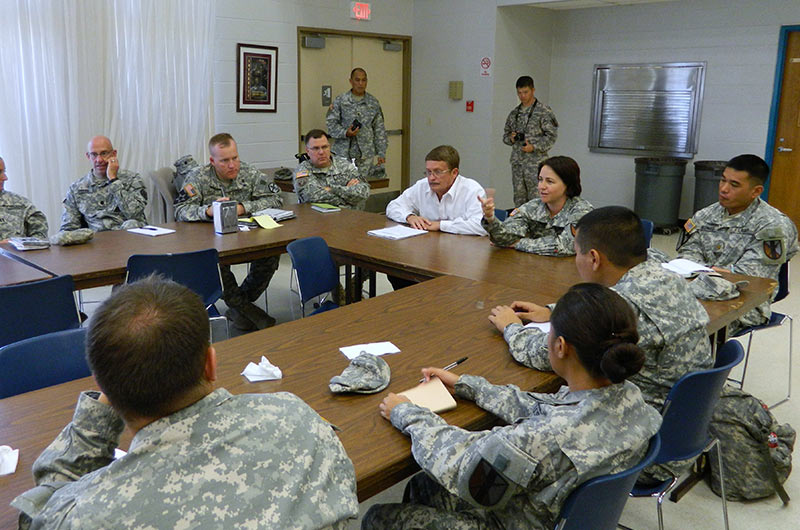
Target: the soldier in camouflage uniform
(326, 178)
(544, 225)
(18, 216)
(552, 443)
(536, 122)
(200, 457)
(741, 233)
(611, 250)
(227, 178)
(361, 144)
(106, 198)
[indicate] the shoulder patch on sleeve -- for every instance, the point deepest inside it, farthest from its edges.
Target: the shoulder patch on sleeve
(190, 191)
(301, 174)
(513, 212)
(573, 230)
(689, 226)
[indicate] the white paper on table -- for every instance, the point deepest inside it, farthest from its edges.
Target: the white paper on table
(151, 230)
(375, 348)
(544, 326)
(8, 459)
(263, 371)
(685, 267)
(397, 232)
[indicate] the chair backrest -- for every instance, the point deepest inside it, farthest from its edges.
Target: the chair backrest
(501, 214)
(162, 179)
(316, 272)
(199, 271)
(690, 404)
(36, 308)
(43, 361)
(598, 502)
(783, 282)
(648, 226)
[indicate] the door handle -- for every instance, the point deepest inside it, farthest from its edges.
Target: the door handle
(784, 149)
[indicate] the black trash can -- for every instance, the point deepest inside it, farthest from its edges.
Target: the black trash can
(658, 190)
(706, 184)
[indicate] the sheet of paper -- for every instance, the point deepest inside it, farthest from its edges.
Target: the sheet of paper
(686, 267)
(265, 221)
(8, 459)
(396, 232)
(544, 326)
(432, 395)
(151, 231)
(375, 348)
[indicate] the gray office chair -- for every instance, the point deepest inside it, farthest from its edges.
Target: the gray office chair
(162, 178)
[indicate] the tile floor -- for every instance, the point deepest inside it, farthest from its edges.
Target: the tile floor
(700, 508)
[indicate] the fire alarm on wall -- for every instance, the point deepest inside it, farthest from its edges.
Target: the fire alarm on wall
(470, 105)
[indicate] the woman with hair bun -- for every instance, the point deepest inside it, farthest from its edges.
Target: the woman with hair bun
(519, 475)
(545, 224)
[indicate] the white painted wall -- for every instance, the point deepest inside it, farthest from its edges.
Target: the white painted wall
(523, 46)
(449, 39)
(737, 38)
(270, 139)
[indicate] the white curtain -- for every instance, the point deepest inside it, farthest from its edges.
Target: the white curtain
(137, 71)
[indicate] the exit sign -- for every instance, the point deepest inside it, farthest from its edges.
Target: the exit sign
(360, 11)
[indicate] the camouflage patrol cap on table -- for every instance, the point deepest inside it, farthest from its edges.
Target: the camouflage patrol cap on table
(72, 237)
(366, 374)
(712, 287)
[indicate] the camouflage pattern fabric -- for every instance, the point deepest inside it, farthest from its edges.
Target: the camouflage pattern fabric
(756, 449)
(755, 242)
(535, 231)
(329, 184)
(246, 461)
(672, 334)
(183, 167)
(541, 130)
(253, 190)
(72, 237)
(20, 218)
(552, 443)
(366, 374)
(371, 139)
(102, 204)
(709, 287)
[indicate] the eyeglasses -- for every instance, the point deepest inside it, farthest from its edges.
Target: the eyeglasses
(437, 172)
(102, 154)
(320, 148)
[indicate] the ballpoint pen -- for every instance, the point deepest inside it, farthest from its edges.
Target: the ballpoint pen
(450, 366)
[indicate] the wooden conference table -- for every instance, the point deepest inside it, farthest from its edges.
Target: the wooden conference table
(432, 323)
(13, 271)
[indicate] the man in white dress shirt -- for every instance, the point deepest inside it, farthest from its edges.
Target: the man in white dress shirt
(442, 201)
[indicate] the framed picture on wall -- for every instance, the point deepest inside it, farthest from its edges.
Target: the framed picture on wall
(256, 78)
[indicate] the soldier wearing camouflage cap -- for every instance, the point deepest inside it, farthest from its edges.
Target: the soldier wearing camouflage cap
(328, 178)
(355, 122)
(18, 216)
(106, 198)
(228, 178)
(519, 475)
(200, 457)
(741, 233)
(531, 130)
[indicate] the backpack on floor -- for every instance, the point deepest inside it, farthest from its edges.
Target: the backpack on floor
(756, 449)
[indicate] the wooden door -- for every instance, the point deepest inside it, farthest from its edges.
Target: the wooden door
(331, 66)
(784, 189)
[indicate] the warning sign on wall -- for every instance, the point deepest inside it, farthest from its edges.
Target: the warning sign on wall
(486, 67)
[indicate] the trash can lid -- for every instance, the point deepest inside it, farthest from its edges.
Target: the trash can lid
(662, 161)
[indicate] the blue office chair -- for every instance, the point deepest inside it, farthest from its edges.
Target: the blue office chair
(648, 226)
(199, 271)
(317, 274)
(501, 214)
(598, 502)
(776, 319)
(41, 361)
(684, 429)
(36, 308)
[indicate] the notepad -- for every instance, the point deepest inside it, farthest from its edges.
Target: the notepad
(151, 231)
(686, 268)
(276, 213)
(324, 207)
(432, 395)
(396, 232)
(29, 243)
